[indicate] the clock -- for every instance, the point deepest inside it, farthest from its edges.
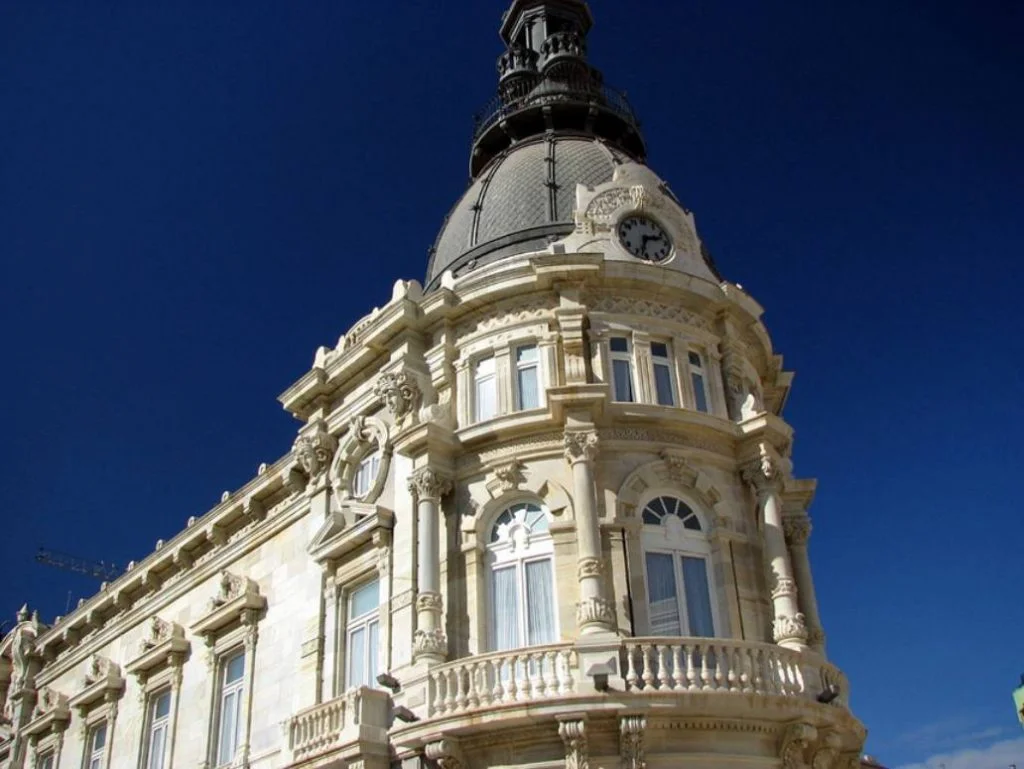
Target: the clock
(644, 238)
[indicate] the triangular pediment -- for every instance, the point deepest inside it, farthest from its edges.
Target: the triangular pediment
(348, 528)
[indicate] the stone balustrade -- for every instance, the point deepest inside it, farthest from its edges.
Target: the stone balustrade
(337, 723)
(535, 673)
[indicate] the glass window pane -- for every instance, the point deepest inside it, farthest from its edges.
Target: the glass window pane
(528, 390)
(156, 748)
(364, 600)
(484, 367)
(99, 736)
(651, 518)
(699, 393)
(234, 669)
(504, 609)
(695, 359)
(619, 344)
(623, 381)
(486, 399)
(663, 385)
(356, 667)
(46, 762)
(540, 603)
(526, 354)
(662, 597)
(162, 705)
(698, 597)
(659, 349)
(225, 743)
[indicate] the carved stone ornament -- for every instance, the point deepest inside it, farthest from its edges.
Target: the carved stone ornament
(789, 628)
(47, 701)
(432, 642)
(797, 530)
(826, 754)
(315, 450)
(574, 735)
(589, 567)
(605, 204)
(230, 587)
(631, 742)
(100, 669)
(447, 753)
(509, 475)
(429, 484)
(795, 743)
(783, 586)
(158, 631)
(595, 610)
(764, 473)
(22, 649)
(401, 394)
(580, 445)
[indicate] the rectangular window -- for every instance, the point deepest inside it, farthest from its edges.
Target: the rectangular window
(540, 603)
(700, 389)
(622, 369)
(365, 475)
(698, 597)
(159, 720)
(664, 388)
(45, 761)
(505, 623)
(96, 745)
(485, 390)
(362, 636)
(527, 378)
(229, 726)
(662, 595)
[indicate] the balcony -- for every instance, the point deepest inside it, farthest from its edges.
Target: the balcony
(354, 724)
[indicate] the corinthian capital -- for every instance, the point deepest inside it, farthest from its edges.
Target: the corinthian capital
(797, 530)
(764, 473)
(427, 483)
(580, 445)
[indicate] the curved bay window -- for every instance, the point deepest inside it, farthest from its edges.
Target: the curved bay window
(522, 581)
(676, 565)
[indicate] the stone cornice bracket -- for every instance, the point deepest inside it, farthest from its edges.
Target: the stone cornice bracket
(447, 753)
(401, 394)
(574, 734)
(631, 742)
(797, 530)
(102, 682)
(314, 451)
(163, 644)
(429, 484)
(795, 743)
(826, 753)
(580, 446)
(50, 714)
(237, 599)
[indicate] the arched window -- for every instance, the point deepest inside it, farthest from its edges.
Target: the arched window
(677, 554)
(522, 581)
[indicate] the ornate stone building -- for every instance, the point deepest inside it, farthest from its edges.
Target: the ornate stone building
(540, 511)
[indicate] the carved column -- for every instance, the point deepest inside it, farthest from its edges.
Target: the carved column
(430, 643)
(574, 735)
(595, 612)
(798, 531)
(788, 627)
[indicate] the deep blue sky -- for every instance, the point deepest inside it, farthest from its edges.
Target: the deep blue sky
(195, 195)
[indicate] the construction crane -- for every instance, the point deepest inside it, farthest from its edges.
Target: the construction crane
(98, 569)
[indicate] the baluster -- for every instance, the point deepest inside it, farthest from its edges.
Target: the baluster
(434, 698)
(691, 674)
(705, 672)
(771, 673)
(664, 671)
(721, 664)
(460, 687)
(746, 670)
(733, 677)
(551, 673)
(631, 676)
(648, 673)
(512, 689)
(499, 681)
(678, 679)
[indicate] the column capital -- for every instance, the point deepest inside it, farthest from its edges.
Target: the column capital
(429, 484)
(797, 529)
(580, 445)
(790, 629)
(431, 644)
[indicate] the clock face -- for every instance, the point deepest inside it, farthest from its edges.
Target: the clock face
(644, 238)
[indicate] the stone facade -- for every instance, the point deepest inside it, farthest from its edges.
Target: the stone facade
(419, 469)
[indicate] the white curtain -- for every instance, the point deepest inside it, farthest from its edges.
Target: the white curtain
(662, 596)
(540, 603)
(698, 597)
(528, 391)
(504, 609)
(356, 658)
(156, 747)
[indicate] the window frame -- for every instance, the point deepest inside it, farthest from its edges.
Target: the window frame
(679, 543)
(374, 455)
(166, 722)
(92, 757)
(701, 371)
(491, 379)
(518, 367)
(47, 754)
(360, 622)
(500, 556)
(225, 688)
(668, 362)
(627, 357)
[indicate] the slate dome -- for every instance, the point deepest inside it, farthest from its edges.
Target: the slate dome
(521, 201)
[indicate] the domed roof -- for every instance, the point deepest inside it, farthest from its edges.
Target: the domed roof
(521, 201)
